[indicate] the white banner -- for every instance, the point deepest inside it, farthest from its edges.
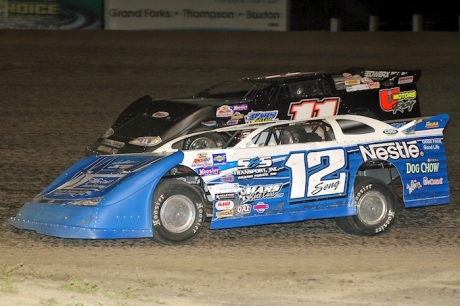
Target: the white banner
(262, 15)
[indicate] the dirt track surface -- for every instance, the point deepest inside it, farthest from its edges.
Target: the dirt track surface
(60, 90)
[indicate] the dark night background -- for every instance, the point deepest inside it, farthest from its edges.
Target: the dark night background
(394, 15)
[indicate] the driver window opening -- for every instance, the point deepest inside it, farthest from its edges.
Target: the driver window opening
(300, 133)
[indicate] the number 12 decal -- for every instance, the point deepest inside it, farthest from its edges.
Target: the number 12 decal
(320, 173)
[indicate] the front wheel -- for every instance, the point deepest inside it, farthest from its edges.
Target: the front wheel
(375, 203)
(178, 212)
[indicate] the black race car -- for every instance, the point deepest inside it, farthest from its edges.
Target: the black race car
(145, 124)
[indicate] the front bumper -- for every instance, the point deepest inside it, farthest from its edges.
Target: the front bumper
(77, 222)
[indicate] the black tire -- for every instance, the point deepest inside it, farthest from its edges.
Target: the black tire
(376, 206)
(204, 141)
(178, 212)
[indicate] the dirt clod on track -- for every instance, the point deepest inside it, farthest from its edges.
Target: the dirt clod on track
(60, 90)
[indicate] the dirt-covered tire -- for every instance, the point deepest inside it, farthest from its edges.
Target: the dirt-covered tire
(376, 206)
(178, 212)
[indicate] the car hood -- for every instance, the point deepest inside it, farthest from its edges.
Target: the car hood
(147, 117)
(97, 176)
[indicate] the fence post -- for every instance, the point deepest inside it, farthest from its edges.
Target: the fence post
(417, 23)
(336, 25)
(373, 23)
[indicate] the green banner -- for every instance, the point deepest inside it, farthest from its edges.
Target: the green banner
(51, 14)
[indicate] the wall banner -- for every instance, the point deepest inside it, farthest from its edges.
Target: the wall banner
(51, 14)
(262, 15)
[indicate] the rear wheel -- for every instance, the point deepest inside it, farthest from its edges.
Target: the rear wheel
(375, 203)
(178, 212)
(204, 141)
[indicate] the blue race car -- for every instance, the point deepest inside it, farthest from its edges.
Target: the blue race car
(337, 167)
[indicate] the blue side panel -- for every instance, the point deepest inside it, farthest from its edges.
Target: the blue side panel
(285, 217)
(297, 186)
(421, 162)
(124, 186)
(424, 178)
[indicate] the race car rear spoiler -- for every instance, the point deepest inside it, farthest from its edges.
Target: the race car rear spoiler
(398, 76)
(422, 123)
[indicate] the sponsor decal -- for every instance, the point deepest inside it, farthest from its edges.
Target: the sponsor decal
(97, 183)
(406, 79)
(227, 178)
(391, 150)
(224, 205)
(160, 114)
(71, 193)
(208, 171)
(431, 147)
(219, 159)
(397, 125)
(432, 140)
(357, 87)
(224, 111)
(239, 107)
(202, 160)
(310, 108)
(261, 116)
(422, 168)
(225, 196)
(413, 185)
(374, 85)
(390, 131)
(232, 111)
(368, 80)
(106, 149)
(352, 82)
(113, 143)
(260, 207)
(329, 187)
(258, 192)
(255, 167)
(237, 116)
(88, 183)
(255, 173)
(376, 74)
(392, 100)
(232, 122)
(122, 164)
(432, 125)
(224, 214)
(243, 209)
(432, 181)
(255, 162)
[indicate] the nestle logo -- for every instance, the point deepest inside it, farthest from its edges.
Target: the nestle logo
(391, 150)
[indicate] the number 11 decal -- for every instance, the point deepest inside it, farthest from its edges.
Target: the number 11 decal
(318, 174)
